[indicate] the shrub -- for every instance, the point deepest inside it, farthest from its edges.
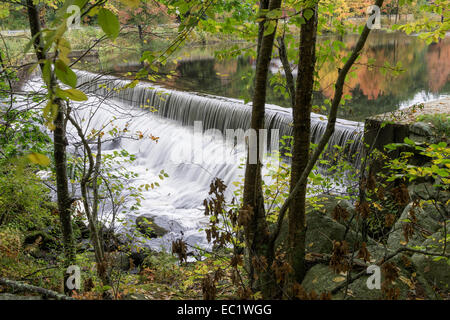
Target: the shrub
(11, 241)
(24, 200)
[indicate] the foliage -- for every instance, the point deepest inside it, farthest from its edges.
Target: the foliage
(441, 123)
(21, 132)
(438, 156)
(429, 29)
(24, 200)
(11, 241)
(436, 169)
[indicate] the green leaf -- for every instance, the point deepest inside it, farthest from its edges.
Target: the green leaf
(47, 72)
(109, 23)
(269, 27)
(65, 74)
(308, 13)
(409, 141)
(30, 43)
(72, 94)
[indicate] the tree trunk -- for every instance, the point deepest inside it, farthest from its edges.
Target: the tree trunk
(90, 176)
(256, 230)
(141, 35)
(301, 146)
(59, 145)
(397, 13)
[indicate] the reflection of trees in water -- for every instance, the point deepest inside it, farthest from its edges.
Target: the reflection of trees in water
(438, 62)
(426, 68)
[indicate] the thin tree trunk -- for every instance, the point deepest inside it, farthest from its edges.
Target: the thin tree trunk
(287, 69)
(397, 13)
(301, 146)
(59, 144)
(256, 231)
(91, 175)
(141, 35)
(299, 185)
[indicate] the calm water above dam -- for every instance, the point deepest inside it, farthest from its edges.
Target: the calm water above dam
(425, 76)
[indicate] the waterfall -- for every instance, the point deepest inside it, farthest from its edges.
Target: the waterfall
(177, 204)
(218, 112)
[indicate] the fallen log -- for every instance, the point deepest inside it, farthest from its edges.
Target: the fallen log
(30, 288)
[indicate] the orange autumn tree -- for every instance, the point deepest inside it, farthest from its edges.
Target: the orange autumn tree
(143, 15)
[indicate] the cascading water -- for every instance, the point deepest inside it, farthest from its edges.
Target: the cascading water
(218, 112)
(177, 204)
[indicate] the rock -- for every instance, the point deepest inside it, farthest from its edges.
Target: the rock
(121, 260)
(138, 257)
(44, 240)
(113, 241)
(427, 224)
(146, 225)
(329, 204)
(322, 279)
(84, 230)
(421, 129)
(434, 269)
(426, 191)
(322, 230)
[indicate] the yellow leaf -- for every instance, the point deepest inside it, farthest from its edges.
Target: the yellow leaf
(131, 3)
(38, 158)
(339, 279)
(407, 282)
(376, 205)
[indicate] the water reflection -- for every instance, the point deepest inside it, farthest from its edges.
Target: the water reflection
(425, 76)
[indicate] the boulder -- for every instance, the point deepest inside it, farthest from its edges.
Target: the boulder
(43, 239)
(322, 279)
(322, 230)
(426, 191)
(328, 203)
(121, 260)
(436, 270)
(427, 223)
(83, 228)
(145, 224)
(422, 129)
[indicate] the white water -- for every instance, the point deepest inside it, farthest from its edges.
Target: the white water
(177, 203)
